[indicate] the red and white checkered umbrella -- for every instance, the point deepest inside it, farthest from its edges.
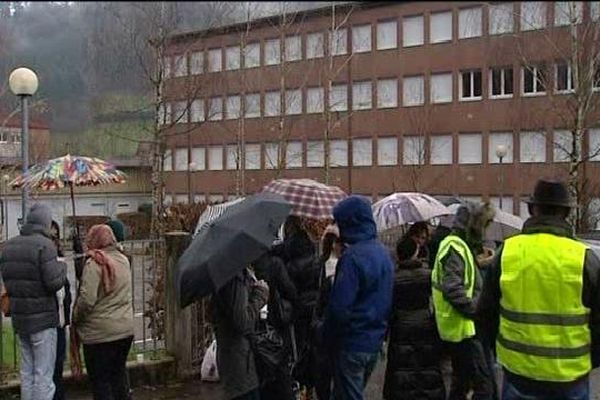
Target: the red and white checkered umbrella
(309, 199)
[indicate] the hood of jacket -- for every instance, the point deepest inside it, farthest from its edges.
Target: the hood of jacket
(354, 218)
(39, 220)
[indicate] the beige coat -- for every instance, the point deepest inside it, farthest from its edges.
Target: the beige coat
(100, 317)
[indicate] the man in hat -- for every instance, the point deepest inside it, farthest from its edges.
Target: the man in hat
(456, 284)
(543, 294)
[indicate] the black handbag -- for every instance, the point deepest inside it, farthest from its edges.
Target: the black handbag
(270, 354)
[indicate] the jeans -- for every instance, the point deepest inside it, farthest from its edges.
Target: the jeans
(470, 370)
(351, 374)
(61, 351)
(38, 354)
(580, 391)
(106, 367)
(251, 395)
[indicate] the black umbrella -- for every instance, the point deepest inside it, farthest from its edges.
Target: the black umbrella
(240, 236)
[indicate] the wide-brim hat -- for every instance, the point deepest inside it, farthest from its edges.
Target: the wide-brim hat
(551, 193)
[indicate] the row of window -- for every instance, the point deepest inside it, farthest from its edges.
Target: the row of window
(10, 135)
(501, 82)
(501, 17)
(383, 151)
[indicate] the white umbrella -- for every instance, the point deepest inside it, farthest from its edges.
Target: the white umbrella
(404, 208)
(503, 225)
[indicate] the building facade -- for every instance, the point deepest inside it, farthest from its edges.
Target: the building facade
(384, 97)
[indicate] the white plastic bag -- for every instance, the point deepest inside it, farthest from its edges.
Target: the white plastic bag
(209, 371)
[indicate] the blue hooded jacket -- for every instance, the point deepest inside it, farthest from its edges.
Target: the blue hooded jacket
(361, 299)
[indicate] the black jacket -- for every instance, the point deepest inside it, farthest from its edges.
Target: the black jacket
(413, 370)
(282, 291)
(489, 306)
(32, 276)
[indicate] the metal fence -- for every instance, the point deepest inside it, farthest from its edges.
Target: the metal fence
(201, 330)
(147, 258)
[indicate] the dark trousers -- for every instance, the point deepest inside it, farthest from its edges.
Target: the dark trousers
(280, 388)
(579, 391)
(61, 351)
(470, 370)
(106, 367)
(251, 395)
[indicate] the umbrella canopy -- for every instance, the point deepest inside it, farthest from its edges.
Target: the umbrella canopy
(309, 199)
(213, 212)
(69, 171)
(503, 225)
(230, 243)
(403, 208)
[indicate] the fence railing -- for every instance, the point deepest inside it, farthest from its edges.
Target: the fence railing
(147, 258)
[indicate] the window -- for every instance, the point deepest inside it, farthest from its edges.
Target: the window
(568, 13)
(293, 155)
(596, 82)
(180, 66)
(315, 45)
(180, 112)
(497, 139)
(594, 144)
(524, 210)
(293, 48)
(595, 10)
(293, 102)
(414, 150)
(197, 111)
(507, 203)
(272, 52)
(534, 78)
(214, 60)
(167, 67)
(338, 98)
(563, 78)
(440, 150)
(215, 198)
(181, 159)
(166, 112)
(533, 147)
(533, 15)
(469, 23)
(338, 153)
(563, 146)
(441, 88)
(252, 55)
(215, 111)
(252, 105)
(233, 160)
(387, 35)
(470, 84)
(362, 152)
(387, 93)
(232, 58)
(168, 161)
(501, 18)
(233, 107)
(362, 97)
(272, 104)
(315, 154)
(168, 200)
(252, 154)
(197, 63)
(271, 155)
(361, 39)
(501, 82)
(469, 148)
(440, 27)
(215, 158)
(338, 42)
(315, 100)
(413, 91)
(387, 151)
(412, 31)
(199, 158)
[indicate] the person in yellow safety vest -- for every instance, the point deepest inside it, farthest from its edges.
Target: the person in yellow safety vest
(456, 286)
(542, 292)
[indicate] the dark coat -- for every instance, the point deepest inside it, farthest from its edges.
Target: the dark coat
(282, 291)
(237, 307)
(413, 370)
(32, 276)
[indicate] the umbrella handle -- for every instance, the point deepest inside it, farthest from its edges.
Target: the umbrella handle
(73, 206)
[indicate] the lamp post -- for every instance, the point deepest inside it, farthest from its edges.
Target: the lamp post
(23, 82)
(501, 151)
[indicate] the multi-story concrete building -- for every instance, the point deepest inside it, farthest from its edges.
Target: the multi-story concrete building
(384, 97)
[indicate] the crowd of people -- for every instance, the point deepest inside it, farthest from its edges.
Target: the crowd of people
(34, 275)
(445, 308)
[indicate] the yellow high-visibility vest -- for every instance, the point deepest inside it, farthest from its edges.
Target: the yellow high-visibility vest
(544, 333)
(452, 325)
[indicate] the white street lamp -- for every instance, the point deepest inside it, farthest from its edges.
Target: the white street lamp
(501, 151)
(23, 82)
